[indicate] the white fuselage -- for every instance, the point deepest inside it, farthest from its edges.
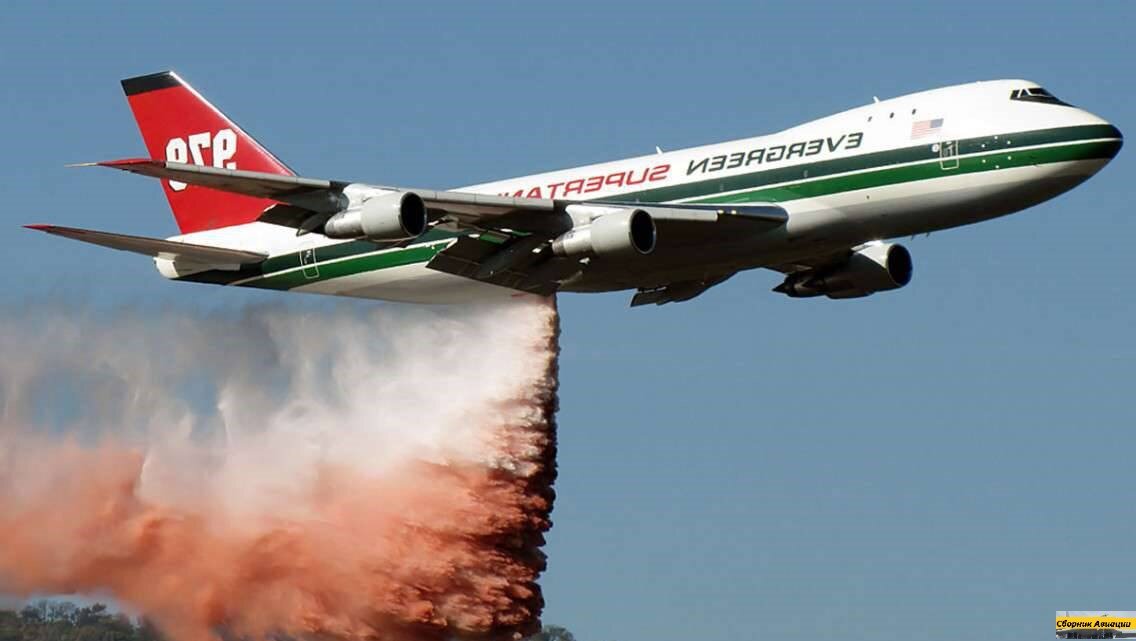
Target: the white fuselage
(912, 164)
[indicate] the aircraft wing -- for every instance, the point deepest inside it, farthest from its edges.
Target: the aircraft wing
(156, 247)
(510, 246)
(308, 197)
(248, 183)
(523, 261)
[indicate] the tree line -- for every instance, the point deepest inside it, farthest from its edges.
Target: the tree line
(66, 621)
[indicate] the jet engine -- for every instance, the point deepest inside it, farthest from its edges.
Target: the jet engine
(872, 268)
(621, 233)
(391, 216)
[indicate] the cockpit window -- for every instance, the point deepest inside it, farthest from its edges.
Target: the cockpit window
(1036, 94)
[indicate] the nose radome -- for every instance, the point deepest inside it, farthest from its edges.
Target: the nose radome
(1119, 141)
(1102, 130)
(1111, 134)
(1116, 133)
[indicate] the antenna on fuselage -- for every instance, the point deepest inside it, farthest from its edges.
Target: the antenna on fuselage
(658, 149)
(876, 99)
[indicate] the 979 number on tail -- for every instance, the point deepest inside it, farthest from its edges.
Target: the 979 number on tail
(192, 149)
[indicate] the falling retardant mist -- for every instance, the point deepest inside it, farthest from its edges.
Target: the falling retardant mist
(379, 475)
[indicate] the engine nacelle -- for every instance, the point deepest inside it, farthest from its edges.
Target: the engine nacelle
(872, 268)
(391, 216)
(621, 233)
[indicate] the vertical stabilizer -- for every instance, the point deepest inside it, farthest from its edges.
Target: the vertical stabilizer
(179, 125)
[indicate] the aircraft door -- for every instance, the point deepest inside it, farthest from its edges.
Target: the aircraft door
(948, 155)
(308, 264)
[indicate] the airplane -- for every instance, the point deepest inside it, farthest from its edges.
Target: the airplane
(817, 202)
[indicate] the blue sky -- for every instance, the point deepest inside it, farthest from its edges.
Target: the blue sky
(742, 461)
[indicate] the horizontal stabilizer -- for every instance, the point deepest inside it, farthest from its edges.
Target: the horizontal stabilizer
(156, 247)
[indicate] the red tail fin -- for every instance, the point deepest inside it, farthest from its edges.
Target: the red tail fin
(177, 124)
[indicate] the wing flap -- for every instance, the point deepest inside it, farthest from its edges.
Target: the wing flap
(676, 292)
(481, 211)
(724, 213)
(516, 263)
(156, 247)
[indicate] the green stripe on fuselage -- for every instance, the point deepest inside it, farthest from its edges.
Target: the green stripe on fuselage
(365, 263)
(922, 171)
(920, 162)
(876, 160)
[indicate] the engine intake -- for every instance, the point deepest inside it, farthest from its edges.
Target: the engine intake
(621, 233)
(388, 217)
(872, 268)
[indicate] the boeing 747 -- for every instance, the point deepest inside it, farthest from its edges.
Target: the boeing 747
(817, 203)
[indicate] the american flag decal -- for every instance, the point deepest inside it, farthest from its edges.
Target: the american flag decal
(925, 127)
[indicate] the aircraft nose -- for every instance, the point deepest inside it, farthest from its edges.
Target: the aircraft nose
(1114, 139)
(1108, 136)
(1119, 140)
